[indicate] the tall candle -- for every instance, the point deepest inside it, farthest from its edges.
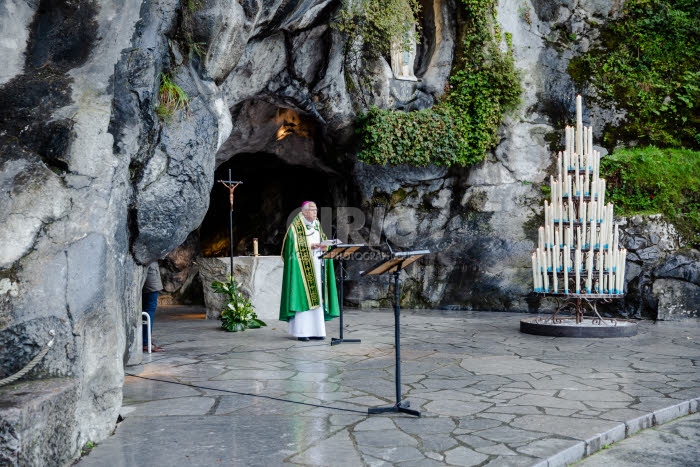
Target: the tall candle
(601, 197)
(578, 238)
(534, 272)
(579, 126)
(586, 187)
(623, 269)
(561, 222)
(567, 258)
(255, 247)
(610, 223)
(546, 216)
(559, 161)
(577, 268)
(589, 271)
(593, 239)
(600, 272)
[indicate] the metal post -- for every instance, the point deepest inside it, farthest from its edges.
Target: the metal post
(397, 336)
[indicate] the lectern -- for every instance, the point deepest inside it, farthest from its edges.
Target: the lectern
(341, 253)
(394, 265)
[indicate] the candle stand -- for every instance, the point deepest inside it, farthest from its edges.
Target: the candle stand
(578, 260)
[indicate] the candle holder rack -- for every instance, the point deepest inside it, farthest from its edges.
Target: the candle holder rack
(578, 261)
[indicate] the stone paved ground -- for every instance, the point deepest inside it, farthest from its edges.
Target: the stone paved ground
(489, 395)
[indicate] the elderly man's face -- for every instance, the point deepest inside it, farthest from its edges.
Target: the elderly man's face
(310, 212)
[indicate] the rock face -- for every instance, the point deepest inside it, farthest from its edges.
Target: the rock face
(96, 184)
(663, 276)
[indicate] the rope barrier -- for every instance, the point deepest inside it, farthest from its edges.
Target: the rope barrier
(31, 364)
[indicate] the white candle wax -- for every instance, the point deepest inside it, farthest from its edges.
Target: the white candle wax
(600, 272)
(589, 271)
(579, 126)
(578, 238)
(610, 223)
(559, 161)
(540, 238)
(580, 196)
(567, 258)
(577, 270)
(561, 224)
(623, 266)
(534, 272)
(601, 197)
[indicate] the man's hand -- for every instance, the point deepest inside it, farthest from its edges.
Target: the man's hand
(316, 246)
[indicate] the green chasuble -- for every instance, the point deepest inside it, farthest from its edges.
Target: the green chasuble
(299, 286)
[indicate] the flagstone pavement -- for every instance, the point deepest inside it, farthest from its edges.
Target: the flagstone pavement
(488, 394)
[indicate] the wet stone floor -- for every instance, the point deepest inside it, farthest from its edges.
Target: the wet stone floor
(488, 394)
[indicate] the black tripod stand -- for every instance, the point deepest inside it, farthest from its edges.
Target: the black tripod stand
(341, 253)
(394, 266)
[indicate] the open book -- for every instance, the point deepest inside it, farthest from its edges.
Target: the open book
(327, 243)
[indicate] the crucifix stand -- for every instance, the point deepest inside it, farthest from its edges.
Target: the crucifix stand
(231, 185)
(394, 265)
(341, 253)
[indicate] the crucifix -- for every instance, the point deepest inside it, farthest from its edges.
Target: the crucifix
(231, 185)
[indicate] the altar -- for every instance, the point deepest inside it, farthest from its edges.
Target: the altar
(259, 278)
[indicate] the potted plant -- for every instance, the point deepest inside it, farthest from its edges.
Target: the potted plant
(239, 313)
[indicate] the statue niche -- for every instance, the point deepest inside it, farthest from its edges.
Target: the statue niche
(402, 60)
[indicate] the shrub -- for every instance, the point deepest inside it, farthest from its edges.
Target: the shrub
(652, 180)
(648, 63)
(461, 128)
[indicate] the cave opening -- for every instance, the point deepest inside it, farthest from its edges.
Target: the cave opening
(271, 191)
(283, 157)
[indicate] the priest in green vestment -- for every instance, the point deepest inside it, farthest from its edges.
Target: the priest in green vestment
(307, 301)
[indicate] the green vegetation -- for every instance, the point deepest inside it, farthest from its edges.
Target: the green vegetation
(648, 63)
(652, 180)
(463, 126)
(238, 314)
(170, 98)
(193, 5)
(85, 450)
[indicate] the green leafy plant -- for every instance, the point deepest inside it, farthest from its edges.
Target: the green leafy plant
(648, 64)
(85, 450)
(461, 128)
(171, 98)
(652, 180)
(525, 14)
(238, 314)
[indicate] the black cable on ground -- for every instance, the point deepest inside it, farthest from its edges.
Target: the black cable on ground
(249, 394)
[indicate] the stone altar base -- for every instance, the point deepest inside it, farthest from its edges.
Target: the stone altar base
(259, 279)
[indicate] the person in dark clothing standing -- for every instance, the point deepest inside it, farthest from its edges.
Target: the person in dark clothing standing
(149, 301)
